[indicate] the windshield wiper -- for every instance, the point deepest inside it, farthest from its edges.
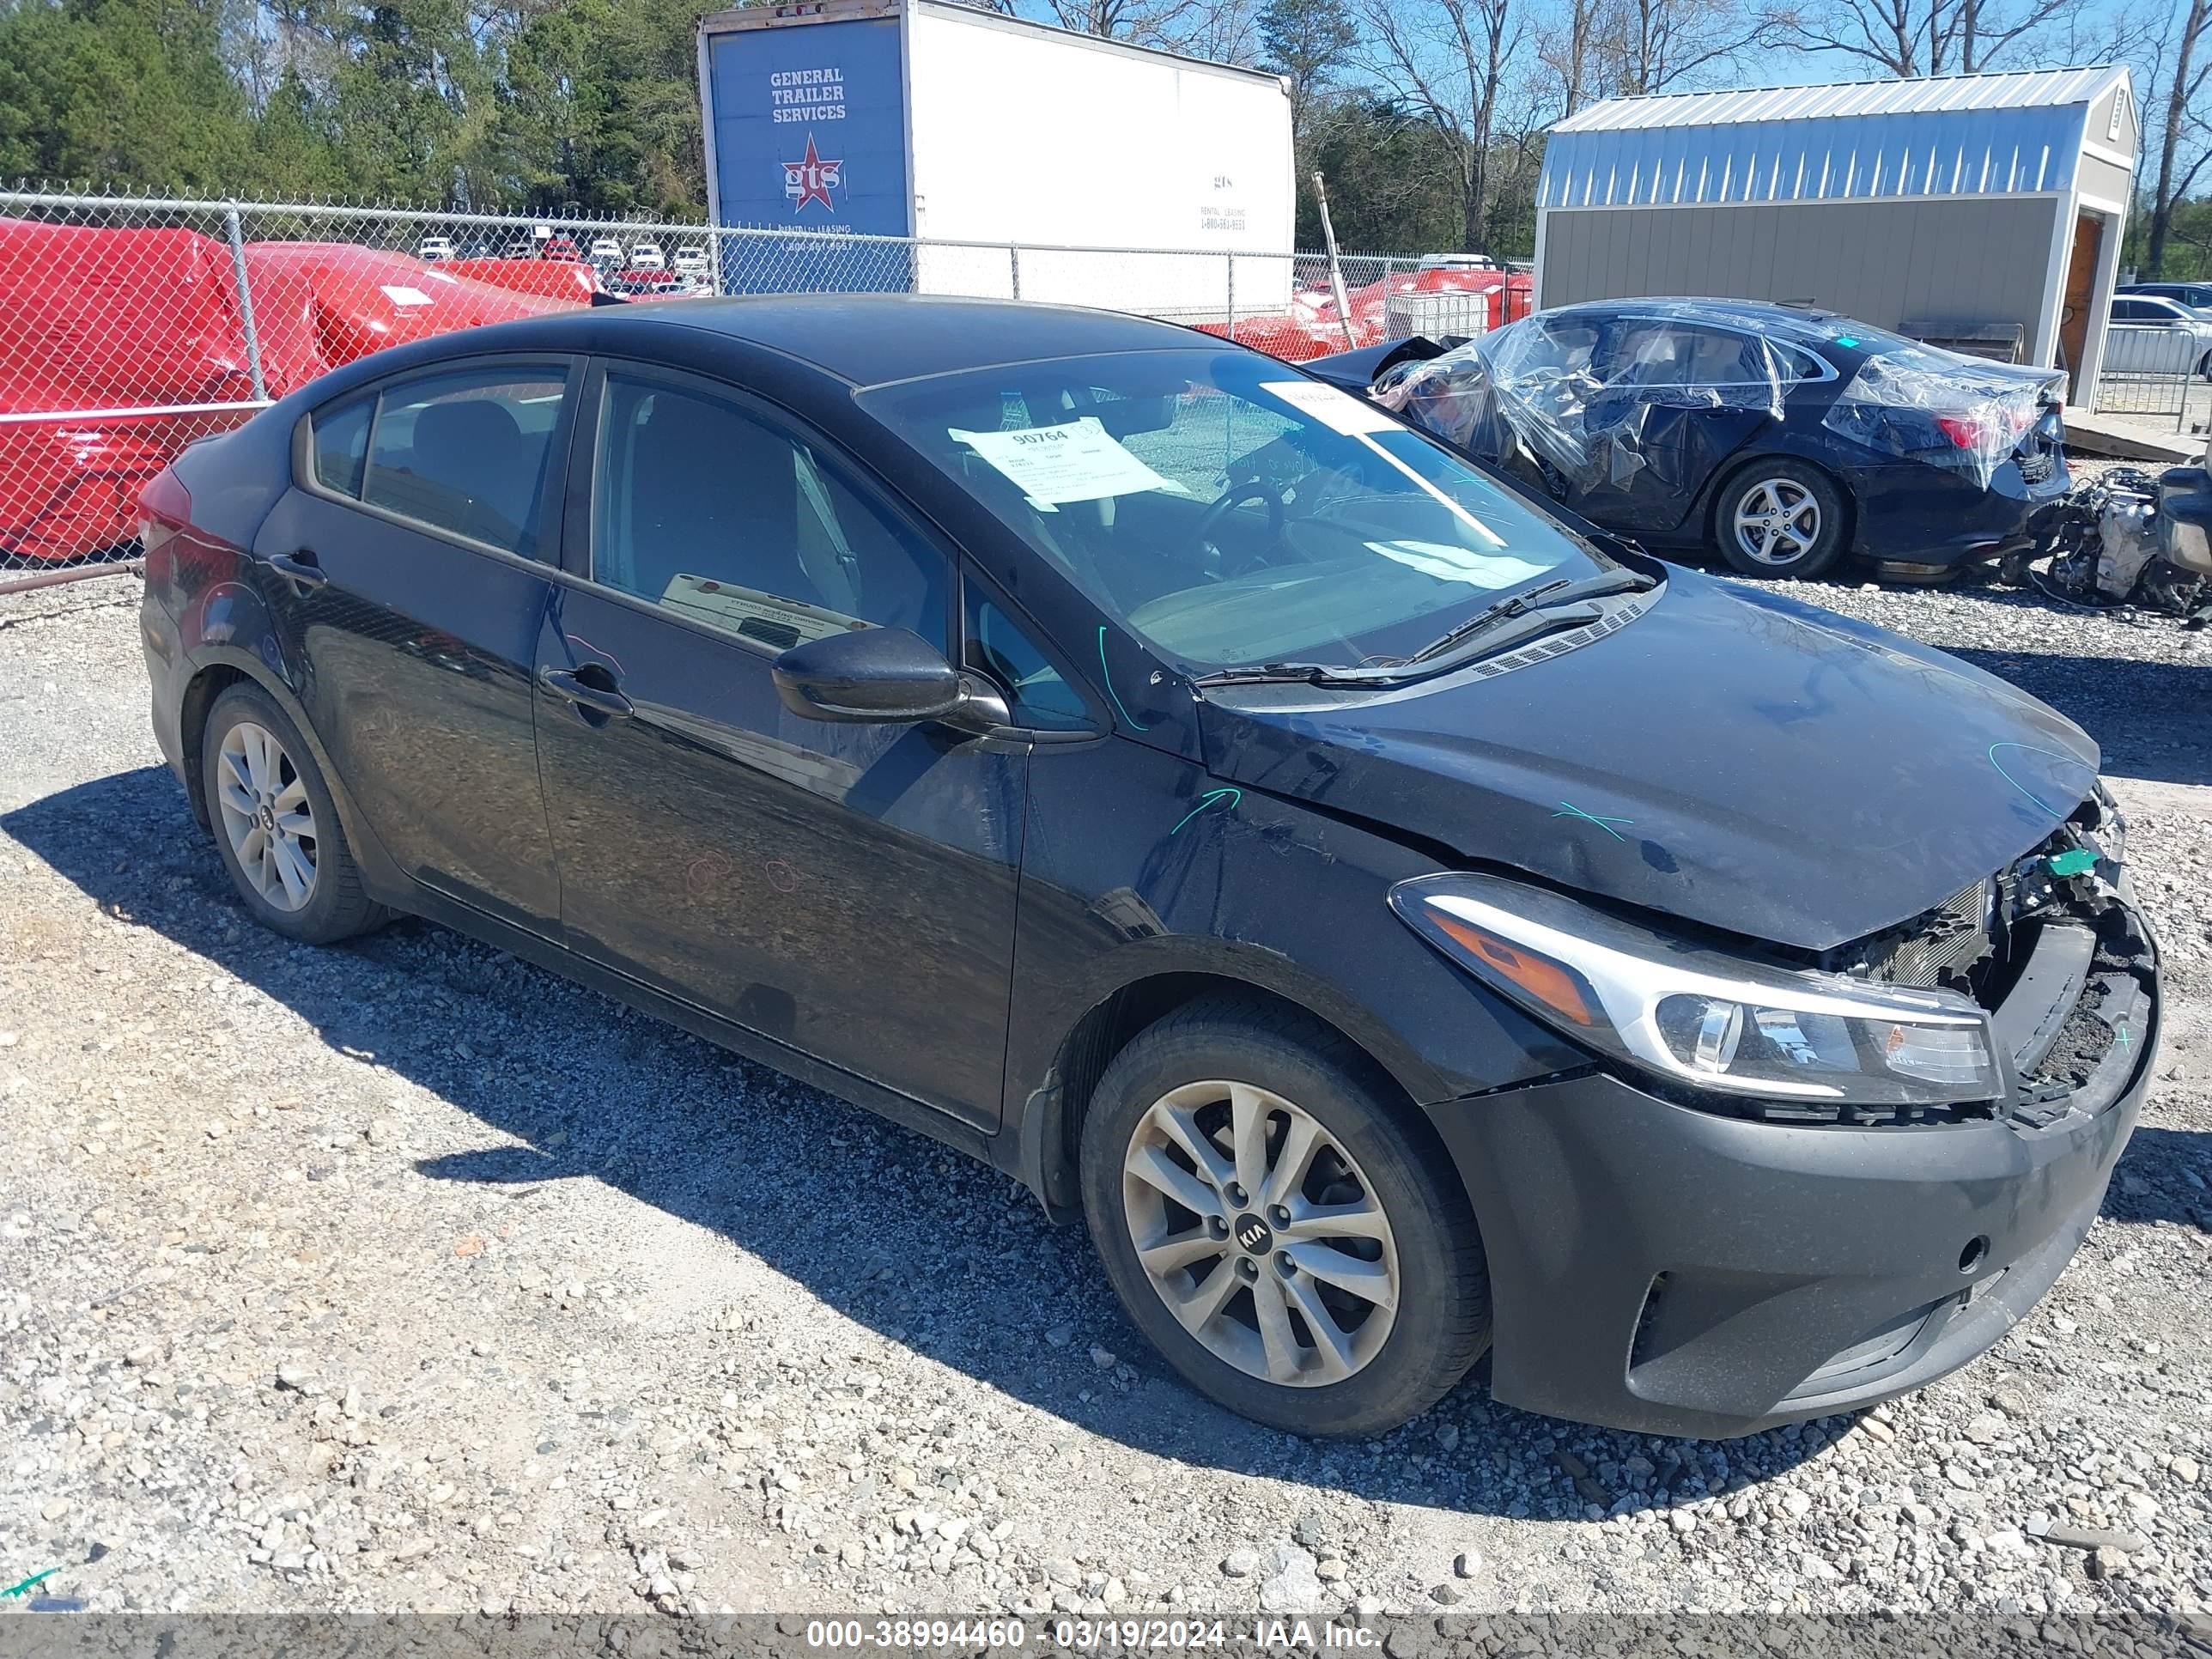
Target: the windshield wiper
(1289, 673)
(1561, 598)
(1554, 596)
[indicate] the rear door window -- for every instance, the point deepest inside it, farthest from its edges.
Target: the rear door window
(465, 451)
(1658, 354)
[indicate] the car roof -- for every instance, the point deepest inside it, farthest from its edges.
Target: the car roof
(866, 340)
(1794, 322)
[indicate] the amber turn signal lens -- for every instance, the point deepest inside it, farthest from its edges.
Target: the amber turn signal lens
(1540, 977)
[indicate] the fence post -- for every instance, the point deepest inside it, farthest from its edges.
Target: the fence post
(245, 298)
(1231, 258)
(1014, 266)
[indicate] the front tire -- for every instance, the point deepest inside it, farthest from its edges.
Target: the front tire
(1779, 517)
(1275, 1227)
(276, 826)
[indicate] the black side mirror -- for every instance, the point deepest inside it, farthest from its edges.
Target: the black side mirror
(883, 674)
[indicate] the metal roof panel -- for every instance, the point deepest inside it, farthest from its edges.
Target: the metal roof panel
(1974, 135)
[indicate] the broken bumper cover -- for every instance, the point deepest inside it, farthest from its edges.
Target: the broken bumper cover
(1667, 1270)
(1914, 513)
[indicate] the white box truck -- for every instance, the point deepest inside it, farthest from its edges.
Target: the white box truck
(921, 118)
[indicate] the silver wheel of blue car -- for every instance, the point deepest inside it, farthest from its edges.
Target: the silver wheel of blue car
(1259, 1232)
(1778, 521)
(1780, 517)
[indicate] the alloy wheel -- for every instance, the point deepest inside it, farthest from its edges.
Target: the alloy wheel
(266, 815)
(1260, 1233)
(1778, 521)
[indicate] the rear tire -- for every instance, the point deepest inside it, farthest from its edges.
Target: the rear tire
(1780, 518)
(1325, 1275)
(276, 827)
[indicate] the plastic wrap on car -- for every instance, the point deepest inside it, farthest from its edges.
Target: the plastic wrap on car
(1590, 426)
(1923, 404)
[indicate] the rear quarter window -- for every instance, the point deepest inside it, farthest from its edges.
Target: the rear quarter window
(340, 446)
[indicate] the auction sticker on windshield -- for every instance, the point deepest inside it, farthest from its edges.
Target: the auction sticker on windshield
(1338, 411)
(1054, 466)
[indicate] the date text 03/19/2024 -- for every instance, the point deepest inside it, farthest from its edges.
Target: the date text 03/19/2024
(1089, 1635)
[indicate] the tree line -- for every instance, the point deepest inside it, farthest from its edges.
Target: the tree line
(1425, 119)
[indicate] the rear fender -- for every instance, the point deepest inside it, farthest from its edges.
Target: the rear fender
(217, 662)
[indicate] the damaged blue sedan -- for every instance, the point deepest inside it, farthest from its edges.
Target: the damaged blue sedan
(1788, 440)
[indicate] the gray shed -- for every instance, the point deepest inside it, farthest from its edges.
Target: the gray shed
(1970, 208)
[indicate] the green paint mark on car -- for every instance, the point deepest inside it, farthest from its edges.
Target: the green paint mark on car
(1107, 669)
(1599, 819)
(1232, 796)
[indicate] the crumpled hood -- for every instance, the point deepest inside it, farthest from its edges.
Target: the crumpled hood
(1732, 756)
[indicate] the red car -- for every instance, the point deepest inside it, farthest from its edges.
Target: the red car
(117, 348)
(123, 346)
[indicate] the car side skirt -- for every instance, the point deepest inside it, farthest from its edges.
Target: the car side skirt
(902, 1109)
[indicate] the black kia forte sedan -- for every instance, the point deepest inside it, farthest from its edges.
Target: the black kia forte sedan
(1399, 923)
(1786, 439)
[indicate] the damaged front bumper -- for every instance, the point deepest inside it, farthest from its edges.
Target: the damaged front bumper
(1666, 1269)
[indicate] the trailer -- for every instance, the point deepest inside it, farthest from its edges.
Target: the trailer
(1007, 158)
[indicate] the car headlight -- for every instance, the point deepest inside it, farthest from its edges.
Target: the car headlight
(1701, 1017)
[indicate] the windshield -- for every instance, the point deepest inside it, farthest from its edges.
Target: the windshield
(1229, 511)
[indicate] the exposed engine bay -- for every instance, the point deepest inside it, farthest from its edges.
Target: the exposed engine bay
(2051, 946)
(2129, 536)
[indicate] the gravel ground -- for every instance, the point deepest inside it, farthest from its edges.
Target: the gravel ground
(405, 1276)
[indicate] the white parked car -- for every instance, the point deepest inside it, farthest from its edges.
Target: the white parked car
(605, 251)
(431, 249)
(648, 256)
(2152, 335)
(690, 264)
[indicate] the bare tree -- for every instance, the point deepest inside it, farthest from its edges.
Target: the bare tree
(1908, 37)
(1597, 49)
(2185, 132)
(1445, 63)
(1665, 43)
(1569, 47)
(1167, 23)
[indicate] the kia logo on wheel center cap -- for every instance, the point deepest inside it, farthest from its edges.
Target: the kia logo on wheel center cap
(1253, 1235)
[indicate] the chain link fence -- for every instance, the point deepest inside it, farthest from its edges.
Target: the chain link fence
(131, 327)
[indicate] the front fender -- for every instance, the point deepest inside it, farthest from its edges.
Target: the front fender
(1139, 868)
